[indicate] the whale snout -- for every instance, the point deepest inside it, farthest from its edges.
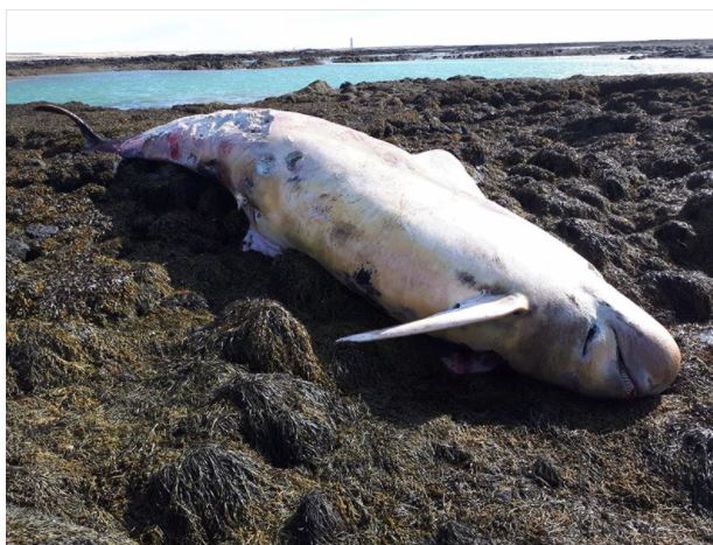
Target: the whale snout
(648, 357)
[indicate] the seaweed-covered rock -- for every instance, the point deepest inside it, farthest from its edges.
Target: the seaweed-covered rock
(586, 239)
(302, 283)
(698, 212)
(45, 490)
(685, 453)
(264, 336)
(93, 287)
(457, 533)
(599, 125)
(671, 165)
(30, 527)
(316, 522)
(539, 197)
(688, 294)
(68, 172)
(700, 180)
(16, 249)
(289, 420)
(680, 239)
(561, 160)
(545, 471)
(44, 354)
(203, 496)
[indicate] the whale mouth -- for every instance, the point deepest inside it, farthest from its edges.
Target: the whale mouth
(627, 378)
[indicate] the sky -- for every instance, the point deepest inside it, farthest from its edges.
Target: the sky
(161, 31)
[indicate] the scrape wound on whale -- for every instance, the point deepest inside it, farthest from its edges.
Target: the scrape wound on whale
(292, 159)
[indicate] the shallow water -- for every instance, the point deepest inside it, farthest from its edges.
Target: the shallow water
(161, 88)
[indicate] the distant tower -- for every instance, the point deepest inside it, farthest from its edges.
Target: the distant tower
(351, 43)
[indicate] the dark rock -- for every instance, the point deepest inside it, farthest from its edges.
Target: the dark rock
(347, 87)
(40, 231)
(513, 157)
(318, 87)
(316, 522)
(16, 248)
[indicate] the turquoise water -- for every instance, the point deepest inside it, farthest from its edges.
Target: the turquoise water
(159, 88)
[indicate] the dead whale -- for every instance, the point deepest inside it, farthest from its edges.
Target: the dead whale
(413, 233)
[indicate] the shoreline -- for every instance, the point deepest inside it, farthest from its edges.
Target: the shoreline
(280, 59)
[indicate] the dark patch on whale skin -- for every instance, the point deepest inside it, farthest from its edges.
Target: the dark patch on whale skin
(294, 179)
(292, 159)
(363, 280)
(360, 281)
(341, 232)
(467, 279)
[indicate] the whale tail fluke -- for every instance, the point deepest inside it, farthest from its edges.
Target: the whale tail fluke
(94, 141)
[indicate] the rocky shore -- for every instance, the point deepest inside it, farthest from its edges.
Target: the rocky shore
(29, 66)
(165, 388)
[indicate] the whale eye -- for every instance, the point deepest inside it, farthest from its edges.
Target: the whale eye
(590, 335)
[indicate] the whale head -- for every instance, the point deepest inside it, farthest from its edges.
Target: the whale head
(598, 342)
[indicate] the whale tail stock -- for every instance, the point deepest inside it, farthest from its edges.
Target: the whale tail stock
(481, 308)
(94, 141)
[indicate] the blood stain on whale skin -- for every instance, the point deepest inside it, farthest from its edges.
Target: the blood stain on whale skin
(174, 145)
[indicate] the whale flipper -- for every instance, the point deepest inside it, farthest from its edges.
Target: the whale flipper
(479, 309)
(445, 168)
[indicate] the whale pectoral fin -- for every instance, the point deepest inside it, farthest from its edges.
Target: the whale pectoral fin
(255, 242)
(479, 309)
